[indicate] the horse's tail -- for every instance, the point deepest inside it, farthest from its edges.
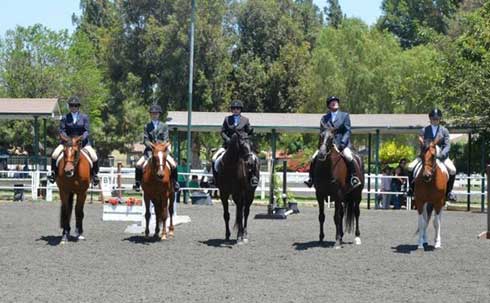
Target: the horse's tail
(350, 214)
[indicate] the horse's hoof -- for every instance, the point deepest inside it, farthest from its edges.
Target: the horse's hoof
(163, 237)
(240, 241)
(337, 246)
(357, 241)
(64, 240)
(80, 237)
(437, 245)
(420, 247)
(245, 241)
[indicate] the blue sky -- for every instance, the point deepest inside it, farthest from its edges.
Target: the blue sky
(56, 14)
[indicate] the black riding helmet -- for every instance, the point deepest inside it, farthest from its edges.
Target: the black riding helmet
(155, 108)
(435, 113)
(236, 104)
(332, 98)
(73, 100)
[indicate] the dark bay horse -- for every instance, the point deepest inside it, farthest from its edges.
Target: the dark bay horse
(73, 178)
(158, 188)
(331, 180)
(233, 178)
(430, 192)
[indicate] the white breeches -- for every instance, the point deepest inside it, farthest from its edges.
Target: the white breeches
(89, 150)
(217, 157)
(451, 169)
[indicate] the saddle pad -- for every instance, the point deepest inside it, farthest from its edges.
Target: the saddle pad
(83, 152)
(439, 163)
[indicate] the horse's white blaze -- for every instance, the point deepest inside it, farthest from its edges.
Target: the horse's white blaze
(437, 227)
(160, 157)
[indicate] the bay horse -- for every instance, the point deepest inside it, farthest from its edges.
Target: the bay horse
(430, 191)
(330, 179)
(73, 178)
(158, 189)
(233, 178)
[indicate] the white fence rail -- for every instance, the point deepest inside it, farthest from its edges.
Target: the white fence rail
(33, 181)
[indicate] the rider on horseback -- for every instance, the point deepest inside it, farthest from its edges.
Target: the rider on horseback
(340, 122)
(241, 125)
(430, 133)
(75, 124)
(155, 131)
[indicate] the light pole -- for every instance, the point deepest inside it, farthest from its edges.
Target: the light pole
(191, 72)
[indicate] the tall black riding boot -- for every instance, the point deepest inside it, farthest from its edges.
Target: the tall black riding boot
(174, 176)
(54, 170)
(95, 171)
(353, 179)
(138, 176)
(309, 182)
(449, 189)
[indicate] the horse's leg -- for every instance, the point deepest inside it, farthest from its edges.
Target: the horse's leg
(422, 226)
(239, 216)
(226, 214)
(79, 215)
(157, 206)
(164, 215)
(338, 223)
(357, 213)
(437, 227)
(147, 215)
(64, 216)
(321, 214)
(248, 203)
(171, 215)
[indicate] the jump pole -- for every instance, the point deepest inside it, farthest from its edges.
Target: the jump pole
(486, 234)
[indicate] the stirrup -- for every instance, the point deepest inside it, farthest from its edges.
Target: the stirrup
(355, 182)
(254, 181)
(451, 197)
(308, 182)
(95, 180)
(52, 177)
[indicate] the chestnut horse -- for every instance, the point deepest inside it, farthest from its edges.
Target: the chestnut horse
(430, 192)
(158, 188)
(330, 179)
(73, 178)
(233, 178)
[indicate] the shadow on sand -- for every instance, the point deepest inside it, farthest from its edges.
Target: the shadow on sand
(408, 248)
(219, 243)
(313, 244)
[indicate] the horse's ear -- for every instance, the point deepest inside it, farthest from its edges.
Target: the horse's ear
(152, 145)
(64, 138)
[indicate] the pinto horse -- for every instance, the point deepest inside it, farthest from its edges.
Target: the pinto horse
(430, 192)
(233, 178)
(158, 188)
(330, 179)
(73, 178)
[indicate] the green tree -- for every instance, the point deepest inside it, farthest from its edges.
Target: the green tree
(40, 63)
(415, 21)
(334, 13)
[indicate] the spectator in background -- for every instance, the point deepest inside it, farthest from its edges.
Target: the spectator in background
(396, 185)
(386, 187)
